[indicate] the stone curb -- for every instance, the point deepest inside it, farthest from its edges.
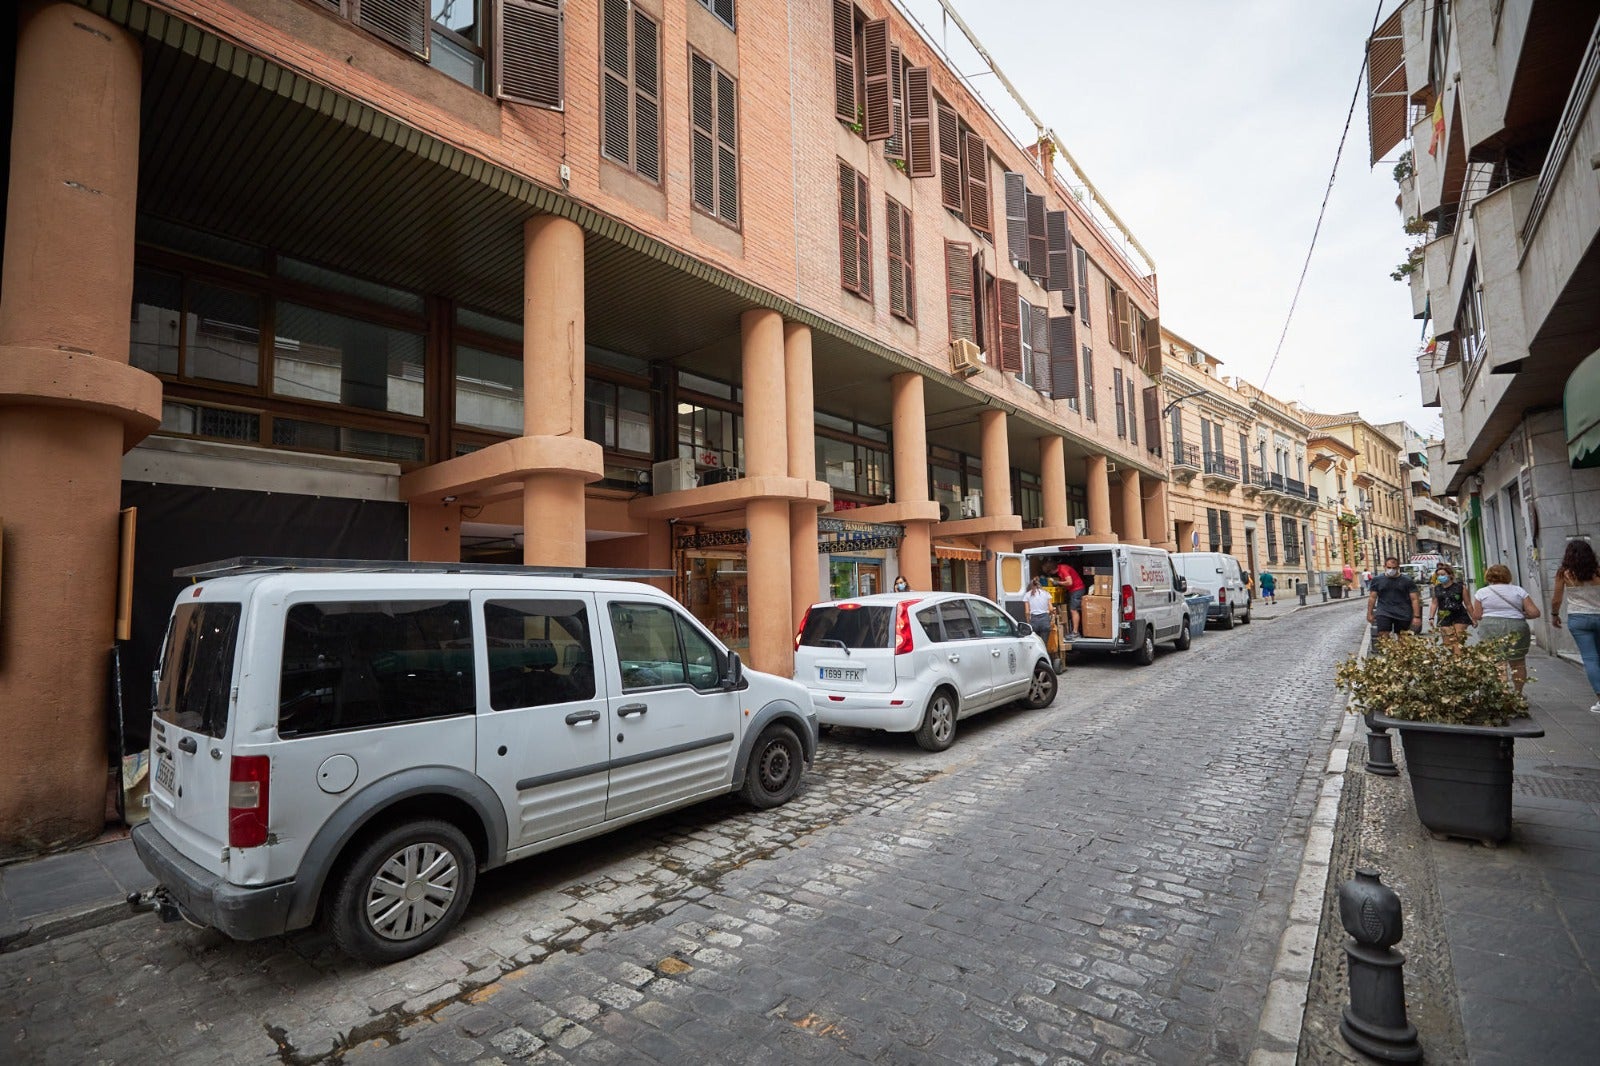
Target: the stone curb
(1283, 1013)
(62, 923)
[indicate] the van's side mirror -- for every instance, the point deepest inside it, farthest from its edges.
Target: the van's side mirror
(733, 675)
(1183, 584)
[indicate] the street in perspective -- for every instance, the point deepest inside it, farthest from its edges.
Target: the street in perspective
(676, 531)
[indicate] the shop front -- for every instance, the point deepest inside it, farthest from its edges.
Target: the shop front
(713, 581)
(862, 556)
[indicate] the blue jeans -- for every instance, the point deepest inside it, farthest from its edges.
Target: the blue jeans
(1585, 630)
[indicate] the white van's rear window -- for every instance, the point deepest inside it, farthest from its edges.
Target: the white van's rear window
(197, 667)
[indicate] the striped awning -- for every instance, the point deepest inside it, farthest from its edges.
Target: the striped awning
(1386, 87)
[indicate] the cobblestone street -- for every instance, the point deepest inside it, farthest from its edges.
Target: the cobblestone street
(1103, 881)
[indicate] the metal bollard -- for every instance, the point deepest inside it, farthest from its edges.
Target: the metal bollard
(1380, 749)
(1300, 590)
(1375, 1021)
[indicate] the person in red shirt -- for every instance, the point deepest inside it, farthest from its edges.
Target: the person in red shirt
(1069, 579)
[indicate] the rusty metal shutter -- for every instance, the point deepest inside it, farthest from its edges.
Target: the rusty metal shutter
(702, 118)
(1043, 369)
(530, 52)
(978, 216)
(878, 124)
(849, 231)
(1152, 418)
(727, 151)
(403, 23)
(1016, 217)
(951, 180)
(844, 60)
(1063, 359)
(1010, 326)
(919, 123)
(958, 290)
(1038, 257)
(1059, 241)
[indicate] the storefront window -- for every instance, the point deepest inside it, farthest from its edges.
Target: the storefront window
(1030, 498)
(946, 483)
(711, 437)
(157, 310)
(718, 594)
(488, 390)
(222, 335)
(854, 577)
(318, 355)
(617, 417)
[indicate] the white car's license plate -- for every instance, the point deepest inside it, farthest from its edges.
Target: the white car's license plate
(840, 673)
(166, 774)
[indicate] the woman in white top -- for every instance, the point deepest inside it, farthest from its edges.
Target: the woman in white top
(1502, 609)
(1578, 586)
(1038, 601)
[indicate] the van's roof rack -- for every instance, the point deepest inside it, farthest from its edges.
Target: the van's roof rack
(259, 564)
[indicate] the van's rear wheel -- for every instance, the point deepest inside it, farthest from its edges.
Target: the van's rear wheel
(938, 729)
(776, 762)
(1227, 617)
(404, 891)
(1146, 653)
(1185, 636)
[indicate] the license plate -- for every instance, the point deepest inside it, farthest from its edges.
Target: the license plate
(840, 673)
(167, 775)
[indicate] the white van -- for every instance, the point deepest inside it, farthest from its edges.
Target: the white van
(356, 741)
(1220, 575)
(1134, 585)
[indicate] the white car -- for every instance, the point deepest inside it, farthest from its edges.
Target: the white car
(918, 662)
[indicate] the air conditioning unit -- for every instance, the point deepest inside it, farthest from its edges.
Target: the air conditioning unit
(1197, 359)
(1081, 525)
(672, 475)
(972, 506)
(966, 358)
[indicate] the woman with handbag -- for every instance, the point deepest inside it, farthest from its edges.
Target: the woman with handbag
(1502, 609)
(1578, 586)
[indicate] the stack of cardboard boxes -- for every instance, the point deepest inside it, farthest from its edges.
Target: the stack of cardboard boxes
(1098, 605)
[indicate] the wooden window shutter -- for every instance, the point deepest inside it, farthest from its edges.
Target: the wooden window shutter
(950, 179)
(849, 230)
(1088, 382)
(727, 151)
(895, 146)
(908, 259)
(1081, 255)
(1016, 217)
(1151, 357)
(986, 320)
(403, 23)
(863, 235)
(958, 289)
(1213, 529)
(723, 9)
(530, 52)
(1133, 418)
(1038, 259)
(897, 227)
(844, 60)
(647, 97)
(1152, 418)
(978, 216)
(919, 123)
(879, 121)
(1116, 398)
(616, 96)
(1124, 324)
(1063, 359)
(702, 117)
(1039, 328)
(1059, 241)
(1010, 327)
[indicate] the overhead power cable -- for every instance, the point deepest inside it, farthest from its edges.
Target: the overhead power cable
(1327, 193)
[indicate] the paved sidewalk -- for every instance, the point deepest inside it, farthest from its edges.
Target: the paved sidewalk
(66, 892)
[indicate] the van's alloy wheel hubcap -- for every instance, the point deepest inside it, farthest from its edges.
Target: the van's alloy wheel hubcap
(411, 891)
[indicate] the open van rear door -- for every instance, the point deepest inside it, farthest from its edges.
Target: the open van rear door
(1010, 582)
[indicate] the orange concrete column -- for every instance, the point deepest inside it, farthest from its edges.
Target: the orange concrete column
(805, 566)
(1132, 508)
(1053, 480)
(435, 532)
(1097, 493)
(69, 405)
(553, 518)
(996, 464)
(910, 435)
(766, 454)
(1156, 526)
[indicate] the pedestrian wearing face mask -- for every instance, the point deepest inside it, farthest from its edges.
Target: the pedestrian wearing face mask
(1393, 603)
(902, 585)
(1450, 615)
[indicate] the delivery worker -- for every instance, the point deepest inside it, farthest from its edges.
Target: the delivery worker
(1070, 580)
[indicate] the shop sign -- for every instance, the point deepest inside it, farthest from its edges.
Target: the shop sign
(716, 538)
(841, 535)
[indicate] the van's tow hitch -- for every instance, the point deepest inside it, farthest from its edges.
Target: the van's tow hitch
(155, 899)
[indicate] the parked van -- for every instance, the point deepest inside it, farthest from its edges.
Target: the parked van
(1220, 575)
(1134, 596)
(358, 741)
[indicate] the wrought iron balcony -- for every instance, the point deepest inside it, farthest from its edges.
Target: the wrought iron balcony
(1295, 488)
(1221, 467)
(1312, 489)
(1185, 454)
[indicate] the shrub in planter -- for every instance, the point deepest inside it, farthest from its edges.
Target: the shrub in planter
(1456, 715)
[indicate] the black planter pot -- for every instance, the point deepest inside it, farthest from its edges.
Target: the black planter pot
(1461, 774)
(1336, 591)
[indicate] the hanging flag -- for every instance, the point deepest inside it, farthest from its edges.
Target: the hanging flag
(1433, 346)
(1438, 125)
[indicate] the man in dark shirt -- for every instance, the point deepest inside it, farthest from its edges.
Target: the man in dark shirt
(1393, 603)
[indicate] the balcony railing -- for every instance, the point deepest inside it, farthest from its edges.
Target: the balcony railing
(1312, 490)
(1185, 454)
(1295, 488)
(1566, 134)
(1222, 465)
(1275, 483)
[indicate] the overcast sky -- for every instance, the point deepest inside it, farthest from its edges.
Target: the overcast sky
(1210, 126)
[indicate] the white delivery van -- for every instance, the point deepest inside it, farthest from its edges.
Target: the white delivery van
(356, 741)
(1134, 596)
(1220, 575)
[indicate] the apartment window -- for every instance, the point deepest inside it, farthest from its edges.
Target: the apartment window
(1088, 383)
(855, 232)
(853, 458)
(866, 73)
(958, 291)
(723, 9)
(1291, 543)
(630, 132)
(457, 45)
(1025, 319)
(1470, 336)
(1117, 396)
(963, 170)
(714, 140)
(1213, 530)
(1083, 284)
(1270, 522)
(1010, 326)
(902, 268)
(1133, 418)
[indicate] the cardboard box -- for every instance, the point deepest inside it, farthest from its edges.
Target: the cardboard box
(1101, 586)
(1097, 617)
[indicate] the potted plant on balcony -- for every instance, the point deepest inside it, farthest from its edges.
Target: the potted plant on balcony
(1458, 721)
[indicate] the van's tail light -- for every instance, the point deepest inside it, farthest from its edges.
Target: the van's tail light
(797, 633)
(1127, 603)
(1222, 596)
(249, 791)
(902, 629)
